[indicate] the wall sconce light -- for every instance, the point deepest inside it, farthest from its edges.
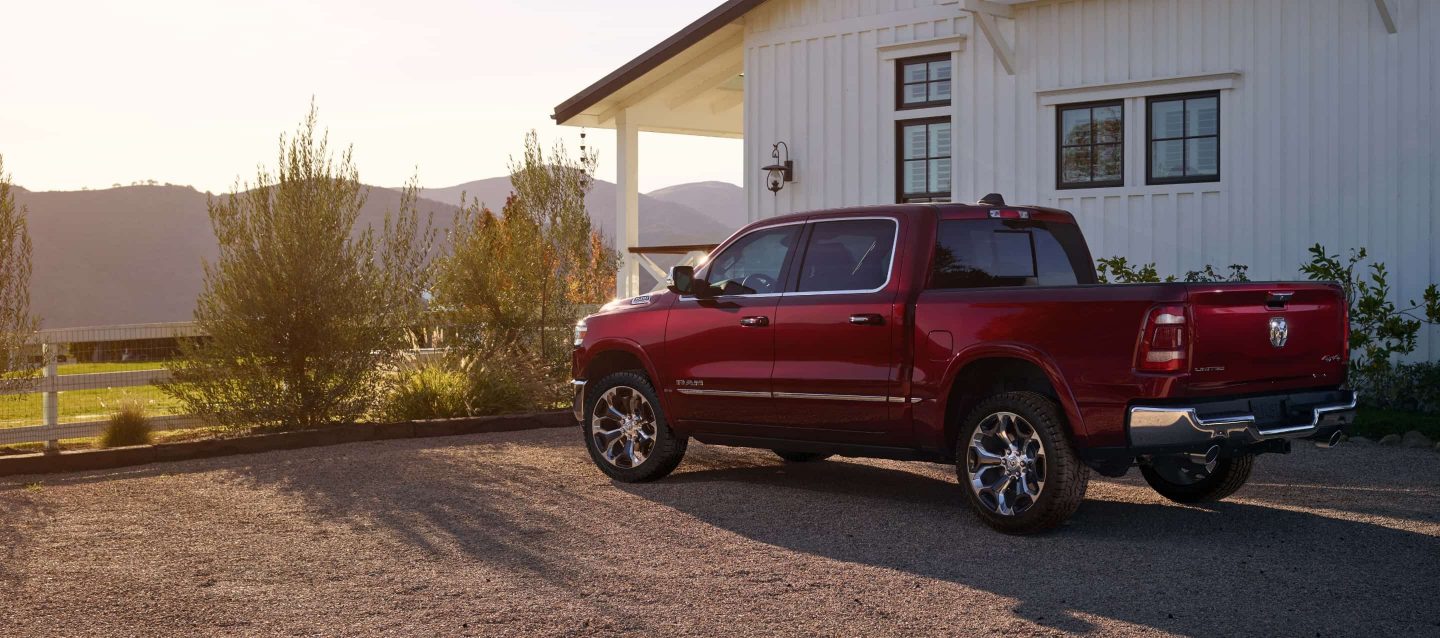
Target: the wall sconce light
(779, 172)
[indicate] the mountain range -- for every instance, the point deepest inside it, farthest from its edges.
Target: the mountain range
(133, 254)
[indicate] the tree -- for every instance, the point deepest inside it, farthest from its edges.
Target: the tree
(300, 311)
(514, 283)
(17, 325)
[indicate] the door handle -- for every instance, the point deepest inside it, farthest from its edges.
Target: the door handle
(867, 320)
(755, 322)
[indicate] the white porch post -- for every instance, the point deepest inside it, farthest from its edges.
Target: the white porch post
(627, 204)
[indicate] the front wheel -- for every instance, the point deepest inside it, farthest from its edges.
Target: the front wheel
(1019, 473)
(626, 431)
(1183, 479)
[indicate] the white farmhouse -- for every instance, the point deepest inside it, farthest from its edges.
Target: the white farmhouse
(1184, 132)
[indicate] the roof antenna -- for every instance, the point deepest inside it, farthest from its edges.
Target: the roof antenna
(993, 199)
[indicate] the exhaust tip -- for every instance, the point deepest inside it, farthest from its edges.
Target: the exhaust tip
(1212, 455)
(1335, 438)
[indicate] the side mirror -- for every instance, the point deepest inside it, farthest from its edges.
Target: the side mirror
(682, 279)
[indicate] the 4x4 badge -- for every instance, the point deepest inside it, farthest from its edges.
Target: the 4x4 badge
(1279, 331)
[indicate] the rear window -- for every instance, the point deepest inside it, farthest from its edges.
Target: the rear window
(985, 253)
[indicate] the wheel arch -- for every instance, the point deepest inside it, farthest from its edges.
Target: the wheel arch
(609, 356)
(979, 373)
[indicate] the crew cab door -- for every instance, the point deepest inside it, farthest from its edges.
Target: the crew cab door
(836, 356)
(720, 348)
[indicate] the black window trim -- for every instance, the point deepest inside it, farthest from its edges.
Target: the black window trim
(900, 159)
(1060, 146)
(1150, 138)
(900, 83)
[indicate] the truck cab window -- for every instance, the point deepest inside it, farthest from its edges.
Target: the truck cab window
(848, 255)
(753, 263)
(984, 253)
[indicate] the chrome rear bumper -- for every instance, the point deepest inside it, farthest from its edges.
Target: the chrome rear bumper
(1182, 428)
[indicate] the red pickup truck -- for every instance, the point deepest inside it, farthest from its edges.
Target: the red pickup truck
(967, 334)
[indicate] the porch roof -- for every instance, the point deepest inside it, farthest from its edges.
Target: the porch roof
(690, 83)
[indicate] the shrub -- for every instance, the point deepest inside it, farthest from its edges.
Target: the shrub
(434, 390)
(1378, 328)
(514, 383)
(302, 310)
(1409, 387)
(1119, 270)
(17, 324)
(129, 425)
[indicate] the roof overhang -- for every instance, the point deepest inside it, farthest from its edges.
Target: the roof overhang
(690, 83)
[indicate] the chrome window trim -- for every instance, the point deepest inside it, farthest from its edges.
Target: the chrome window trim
(725, 393)
(889, 268)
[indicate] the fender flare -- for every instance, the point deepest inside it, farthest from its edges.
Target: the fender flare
(1028, 354)
(621, 344)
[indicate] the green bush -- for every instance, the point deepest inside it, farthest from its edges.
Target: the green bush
(1378, 328)
(1405, 387)
(427, 391)
(514, 384)
(1118, 270)
(128, 426)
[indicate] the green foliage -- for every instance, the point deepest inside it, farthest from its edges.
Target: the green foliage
(1409, 387)
(301, 311)
(1118, 270)
(129, 425)
(17, 367)
(1378, 422)
(1379, 329)
(515, 283)
(432, 390)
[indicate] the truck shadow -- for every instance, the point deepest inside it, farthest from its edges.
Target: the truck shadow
(1188, 570)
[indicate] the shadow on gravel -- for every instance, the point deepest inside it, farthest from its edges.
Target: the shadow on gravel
(1224, 569)
(15, 507)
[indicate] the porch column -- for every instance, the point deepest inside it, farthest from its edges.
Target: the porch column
(627, 204)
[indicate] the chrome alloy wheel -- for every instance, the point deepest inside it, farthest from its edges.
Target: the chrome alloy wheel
(1006, 464)
(623, 427)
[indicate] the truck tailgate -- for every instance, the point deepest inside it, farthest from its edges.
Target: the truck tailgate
(1255, 336)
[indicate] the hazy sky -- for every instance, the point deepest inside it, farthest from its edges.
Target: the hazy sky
(196, 91)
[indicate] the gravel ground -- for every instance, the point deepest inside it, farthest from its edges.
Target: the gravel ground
(516, 534)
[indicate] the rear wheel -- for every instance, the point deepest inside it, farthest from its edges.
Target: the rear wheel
(1184, 479)
(626, 431)
(801, 457)
(1018, 471)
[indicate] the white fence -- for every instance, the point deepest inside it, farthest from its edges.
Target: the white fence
(140, 352)
(129, 346)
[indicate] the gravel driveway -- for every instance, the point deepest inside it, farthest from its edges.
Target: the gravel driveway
(516, 534)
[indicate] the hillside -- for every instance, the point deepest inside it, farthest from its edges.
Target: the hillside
(133, 254)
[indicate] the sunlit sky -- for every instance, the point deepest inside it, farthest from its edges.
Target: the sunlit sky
(196, 92)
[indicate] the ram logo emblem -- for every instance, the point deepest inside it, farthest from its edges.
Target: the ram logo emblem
(1279, 331)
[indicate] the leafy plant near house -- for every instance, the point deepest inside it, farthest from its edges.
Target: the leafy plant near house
(17, 367)
(1118, 270)
(129, 425)
(429, 390)
(1379, 329)
(300, 310)
(514, 283)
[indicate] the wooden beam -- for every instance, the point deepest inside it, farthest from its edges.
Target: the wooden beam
(680, 71)
(985, 6)
(1386, 16)
(1006, 55)
(727, 101)
(709, 82)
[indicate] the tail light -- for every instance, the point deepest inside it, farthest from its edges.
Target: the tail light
(1163, 344)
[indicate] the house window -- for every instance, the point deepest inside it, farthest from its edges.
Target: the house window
(1184, 138)
(924, 82)
(1091, 145)
(924, 163)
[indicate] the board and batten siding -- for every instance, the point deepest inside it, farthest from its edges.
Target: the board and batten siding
(1328, 123)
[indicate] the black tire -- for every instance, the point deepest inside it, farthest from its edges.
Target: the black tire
(665, 453)
(801, 457)
(1228, 476)
(1062, 477)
